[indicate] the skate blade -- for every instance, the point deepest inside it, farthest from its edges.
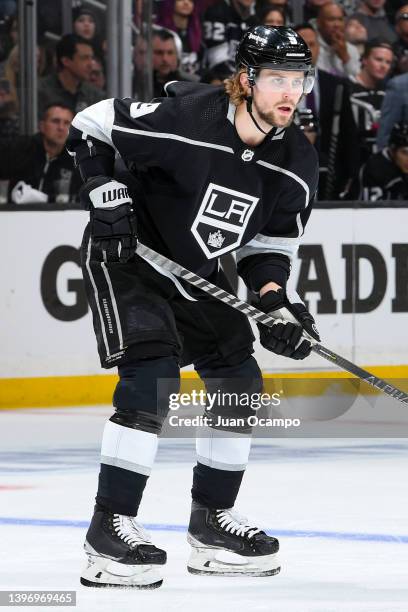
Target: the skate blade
(219, 572)
(207, 561)
(102, 572)
(105, 585)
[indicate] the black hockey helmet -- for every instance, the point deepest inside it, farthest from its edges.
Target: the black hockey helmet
(399, 135)
(276, 47)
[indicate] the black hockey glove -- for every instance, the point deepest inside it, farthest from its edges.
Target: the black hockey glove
(113, 220)
(285, 337)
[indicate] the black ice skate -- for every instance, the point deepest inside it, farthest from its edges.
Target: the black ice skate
(120, 553)
(224, 544)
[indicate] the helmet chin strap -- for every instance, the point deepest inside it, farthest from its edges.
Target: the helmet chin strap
(249, 100)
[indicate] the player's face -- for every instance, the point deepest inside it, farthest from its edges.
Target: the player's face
(55, 125)
(378, 63)
(401, 159)
(276, 95)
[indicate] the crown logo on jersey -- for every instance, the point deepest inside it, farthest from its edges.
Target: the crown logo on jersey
(247, 155)
(216, 239)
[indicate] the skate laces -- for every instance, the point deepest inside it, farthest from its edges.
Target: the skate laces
(235, 523)
(129, 530)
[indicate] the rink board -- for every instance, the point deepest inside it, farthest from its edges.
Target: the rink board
(352, 268)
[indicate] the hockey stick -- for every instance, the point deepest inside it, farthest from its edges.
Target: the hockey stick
(260, 317)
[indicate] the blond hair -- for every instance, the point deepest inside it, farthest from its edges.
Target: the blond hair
(234, 88)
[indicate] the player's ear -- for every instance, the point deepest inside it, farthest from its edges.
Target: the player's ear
(243, 79)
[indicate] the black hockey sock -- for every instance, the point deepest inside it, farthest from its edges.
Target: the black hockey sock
(120, 491)
(215, 488)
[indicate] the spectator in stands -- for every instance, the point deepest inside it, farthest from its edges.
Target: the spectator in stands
(394, 108)
(42, 160)
(372, 15)
(12, 65)
(271, 15)
(141, 77)
(311, 10)
(337, 143)
(367, 93)
(70, 85)
(336, 55)
(286, 8)
(166, 60)
(264, 7)
(356, 34)
(12, 68)
(182, 17)
(401, 45)
(385, 175)
(9, 121)
(224, 24)
(349, 6)
(308, 123)
(84, 26)
(216, 76)
(97, 77)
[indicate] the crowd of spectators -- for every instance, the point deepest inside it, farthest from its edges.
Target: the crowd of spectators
(356, 115)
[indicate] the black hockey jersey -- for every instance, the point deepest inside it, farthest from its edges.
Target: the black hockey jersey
(366, 105)
(223, 28)
(381, 179)
(202, 191)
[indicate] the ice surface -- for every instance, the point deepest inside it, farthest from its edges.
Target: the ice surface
(339, 508)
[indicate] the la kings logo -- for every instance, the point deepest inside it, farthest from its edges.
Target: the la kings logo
(222, 219)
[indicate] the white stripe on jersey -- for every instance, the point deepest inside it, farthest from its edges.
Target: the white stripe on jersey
(198, 143)
(288, 173)
(269, 244)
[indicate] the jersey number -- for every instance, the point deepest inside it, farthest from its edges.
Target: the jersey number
(138, 109)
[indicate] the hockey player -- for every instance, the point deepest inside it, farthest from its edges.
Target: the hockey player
(385, 175)
(218, 170)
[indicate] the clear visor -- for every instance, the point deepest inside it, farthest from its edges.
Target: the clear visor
(284, 82)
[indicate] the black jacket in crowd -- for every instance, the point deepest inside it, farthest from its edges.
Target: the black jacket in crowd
(25, 159)
(341, 142)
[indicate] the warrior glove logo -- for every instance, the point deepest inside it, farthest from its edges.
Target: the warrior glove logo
(222, 219)
(109, 195)
(115, 194)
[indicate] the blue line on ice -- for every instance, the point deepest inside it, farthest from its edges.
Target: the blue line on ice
(289, 533)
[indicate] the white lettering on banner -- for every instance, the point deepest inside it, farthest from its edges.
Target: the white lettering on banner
(337, 244)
